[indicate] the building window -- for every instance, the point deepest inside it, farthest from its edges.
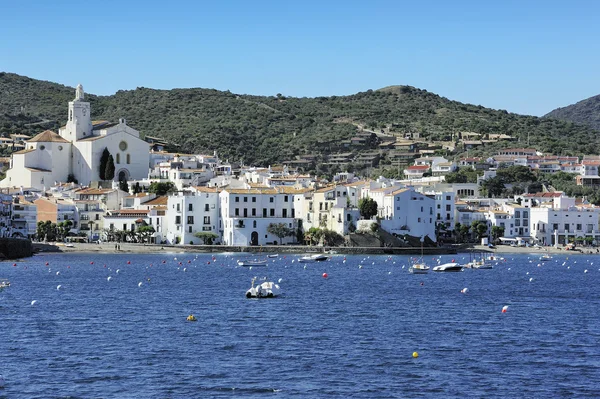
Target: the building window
(253, 211)
(205, 207)
(128, 158)
(264, 212)
(272, 212)
(254, 223)
(271, 199)
(190, 207)
(206, 219)
(284, 213)
(285, 198)
(123, 145)
(118, 158)
(245, 212)
(245, 199)
(237, 199)
(253, 199)
(237, 211)
(178, 208)
(578, 227)
(447, 198)
(189, 229)
(448, 207)
(567, 227)
(517, 214)
(190, 220)
(177, 219)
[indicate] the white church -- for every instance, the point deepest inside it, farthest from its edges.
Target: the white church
(76, 150)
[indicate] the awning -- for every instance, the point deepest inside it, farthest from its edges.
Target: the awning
(508, 239)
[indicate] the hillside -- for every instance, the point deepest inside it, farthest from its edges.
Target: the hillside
(585, 112)
(266, 130)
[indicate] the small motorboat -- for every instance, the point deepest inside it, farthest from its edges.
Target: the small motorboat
(272, 255)
(252, 262)
(448, 267)
(4, 283)
(545, 258)
(313, 258)
(267, 289)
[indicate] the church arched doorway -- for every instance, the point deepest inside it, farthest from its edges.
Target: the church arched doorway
(123, 175)
(254, 238)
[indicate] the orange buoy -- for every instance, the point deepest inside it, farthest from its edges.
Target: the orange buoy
(325, 275)
(129, 262)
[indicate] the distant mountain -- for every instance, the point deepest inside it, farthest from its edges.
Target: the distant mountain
(270, 129)
(585, 112)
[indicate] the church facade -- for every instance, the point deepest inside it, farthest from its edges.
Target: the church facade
(76, 150)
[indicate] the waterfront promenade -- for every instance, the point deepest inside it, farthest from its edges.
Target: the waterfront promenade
(295, 249)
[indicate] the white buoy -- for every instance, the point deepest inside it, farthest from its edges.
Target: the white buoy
(464, 290)
(305, 267)
(33, 302)
(280, 280)
(360, 266)
(58, 273)
(530, 279)
(389, 272)
(109, 278)
(140, 284)
(58, 287)
(185, 269)
(118, 270)
(585, 271)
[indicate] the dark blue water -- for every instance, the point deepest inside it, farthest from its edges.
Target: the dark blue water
(350, 335)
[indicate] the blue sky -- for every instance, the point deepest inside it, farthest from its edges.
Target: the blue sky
(527, 57)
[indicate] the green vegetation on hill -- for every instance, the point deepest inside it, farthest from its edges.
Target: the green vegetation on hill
(585, 112)
(266, 130)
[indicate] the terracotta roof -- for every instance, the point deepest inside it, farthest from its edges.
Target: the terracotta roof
(162, 200)
(268, 190)
(418, 167)
(93, 138)
(203, 189)
(94, 191)
(48, 136)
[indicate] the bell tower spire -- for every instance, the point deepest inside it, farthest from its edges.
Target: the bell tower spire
(79, 124)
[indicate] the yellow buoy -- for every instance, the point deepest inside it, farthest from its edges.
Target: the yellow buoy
(415, 354)
(191, 318)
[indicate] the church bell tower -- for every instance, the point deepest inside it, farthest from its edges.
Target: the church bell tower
(79, 124)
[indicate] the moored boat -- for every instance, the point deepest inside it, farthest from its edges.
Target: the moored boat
(418, 268)
(313, 258)
(252, 262)
(267, 289)
(448, 267)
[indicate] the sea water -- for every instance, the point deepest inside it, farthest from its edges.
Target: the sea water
(351, 334)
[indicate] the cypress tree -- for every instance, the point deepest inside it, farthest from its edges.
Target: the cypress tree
(103, 162)
(109, 172)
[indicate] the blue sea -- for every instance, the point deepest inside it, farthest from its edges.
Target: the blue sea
(350, 335)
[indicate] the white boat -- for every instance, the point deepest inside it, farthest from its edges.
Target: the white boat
(267, 289)
(313, 258)
(418, 268)
(272, 255)
(4, 283)
(483, 265)
(545, 258)
(494, 258)
(252, 262)
(448, 267)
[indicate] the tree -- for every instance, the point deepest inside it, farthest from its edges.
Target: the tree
(206, 236)
(280, 230)
(516, 173)
(63, 228)
(103, 162)
(109, 172)
(493, 186)
(367, 207)
(332, 238)
(144, 232)
(137, 188)
(162, 188)
(123, 186)
(497, 232)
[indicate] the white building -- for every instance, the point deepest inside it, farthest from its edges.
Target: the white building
(192, 211)
(76, 150)
(247, 213)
